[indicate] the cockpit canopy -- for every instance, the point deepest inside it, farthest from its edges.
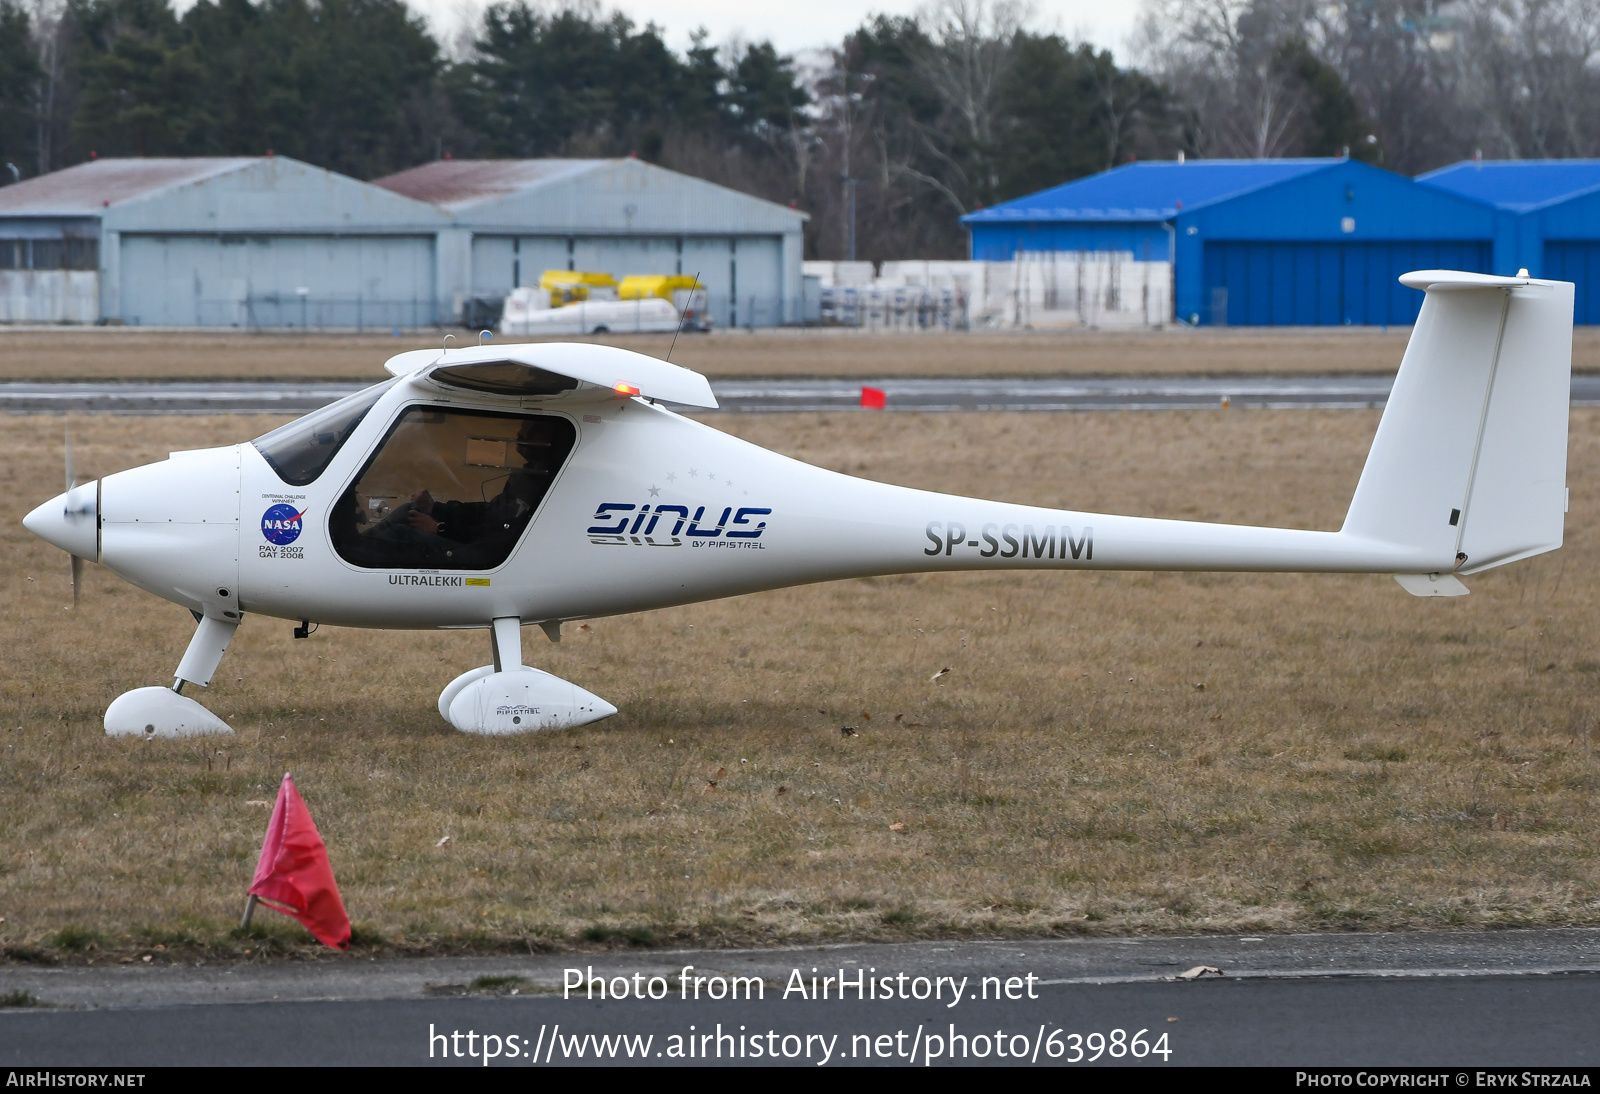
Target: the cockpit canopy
(450, 489)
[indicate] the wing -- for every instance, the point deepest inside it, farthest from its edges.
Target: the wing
(575, 371)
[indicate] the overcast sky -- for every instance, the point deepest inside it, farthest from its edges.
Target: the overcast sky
(811, 24)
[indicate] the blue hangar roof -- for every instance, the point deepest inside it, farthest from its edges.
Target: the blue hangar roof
(1517, 186)
(1152, 191)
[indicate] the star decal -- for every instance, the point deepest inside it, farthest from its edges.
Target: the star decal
(672, 476)
(693, 474)
(711, 477)
(655, 491)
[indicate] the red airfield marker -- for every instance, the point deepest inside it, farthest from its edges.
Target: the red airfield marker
(293, 875)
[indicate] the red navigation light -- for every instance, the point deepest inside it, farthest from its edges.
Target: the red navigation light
(624, 389)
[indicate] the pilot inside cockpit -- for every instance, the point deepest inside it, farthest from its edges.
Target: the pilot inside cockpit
(450, 489)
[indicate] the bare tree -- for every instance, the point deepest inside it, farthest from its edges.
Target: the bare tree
(1224, 58)
(1399, 60)
(1120, 103)
(1527, 71)
(48, 32)
(1436, 79)
(972, 51)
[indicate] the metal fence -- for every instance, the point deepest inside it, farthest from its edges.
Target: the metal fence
(1036, 290)
(303, 311)
(746, 311)
(292, 311)
(1090, 289)
(897, 308)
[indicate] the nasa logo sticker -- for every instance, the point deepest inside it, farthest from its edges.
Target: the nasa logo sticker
(281, 524)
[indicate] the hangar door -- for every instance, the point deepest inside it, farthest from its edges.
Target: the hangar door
(1325, 284)
(277, 281)
(620, 256)
(743, 276)
(1577, 261)
(502, 263)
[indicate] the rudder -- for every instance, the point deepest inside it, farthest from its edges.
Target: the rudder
(1469, 461)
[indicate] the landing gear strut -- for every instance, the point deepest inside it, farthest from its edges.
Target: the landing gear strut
(167, 712)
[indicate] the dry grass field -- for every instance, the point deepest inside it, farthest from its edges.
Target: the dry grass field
(131, 354)
(1109, 753)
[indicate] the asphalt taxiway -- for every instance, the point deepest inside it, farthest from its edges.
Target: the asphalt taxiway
(779, 396)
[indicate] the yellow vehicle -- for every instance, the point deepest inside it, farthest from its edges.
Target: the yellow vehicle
(576, 286)
(639, 286)
(685, 294)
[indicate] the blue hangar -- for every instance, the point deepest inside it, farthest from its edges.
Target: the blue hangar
(1550, 221)
(1303, 242)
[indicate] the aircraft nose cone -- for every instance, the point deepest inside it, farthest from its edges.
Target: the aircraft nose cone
(70, 521)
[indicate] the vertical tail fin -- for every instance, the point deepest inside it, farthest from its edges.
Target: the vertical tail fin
(1470, 459)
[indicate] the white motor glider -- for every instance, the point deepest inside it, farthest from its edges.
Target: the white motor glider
(498, 486)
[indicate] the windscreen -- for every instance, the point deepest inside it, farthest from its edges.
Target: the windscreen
(450, 489)
(302, 450)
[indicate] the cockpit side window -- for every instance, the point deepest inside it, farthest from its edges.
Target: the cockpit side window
(302, 450)
(450, 489)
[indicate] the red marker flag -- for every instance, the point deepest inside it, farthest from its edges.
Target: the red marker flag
(874, 398)
(293, 875)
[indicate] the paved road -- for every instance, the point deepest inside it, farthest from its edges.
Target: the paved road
(1122, 393)
(1454, 1023)
(772, 396)
(1516, 998)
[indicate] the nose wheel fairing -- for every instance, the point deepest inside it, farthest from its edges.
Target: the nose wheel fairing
(160, 712)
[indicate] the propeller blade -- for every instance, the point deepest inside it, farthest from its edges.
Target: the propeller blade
(77, 578)
(66, 441)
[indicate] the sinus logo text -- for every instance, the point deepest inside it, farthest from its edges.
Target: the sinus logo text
(621, 522)
(281, 524)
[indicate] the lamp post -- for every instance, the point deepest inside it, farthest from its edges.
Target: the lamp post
(850, 215)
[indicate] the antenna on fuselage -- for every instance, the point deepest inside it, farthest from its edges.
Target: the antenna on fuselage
(679, 330)
(447, 339)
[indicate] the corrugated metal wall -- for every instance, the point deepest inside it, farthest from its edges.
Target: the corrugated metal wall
(257, 280)
(1578, 261)
(49, 296)
(1325, 284)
